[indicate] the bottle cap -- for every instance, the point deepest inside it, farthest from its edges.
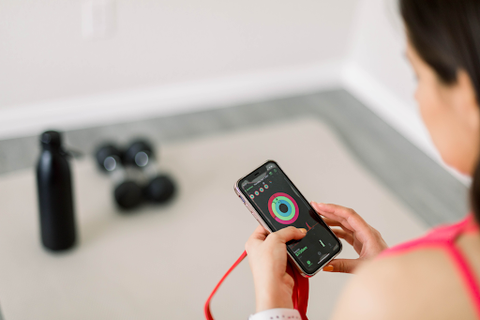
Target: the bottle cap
(51, 138)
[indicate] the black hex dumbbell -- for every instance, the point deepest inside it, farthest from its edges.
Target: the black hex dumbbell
(128, 193)
(160, 188)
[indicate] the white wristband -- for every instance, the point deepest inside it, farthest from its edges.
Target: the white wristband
(274, 314)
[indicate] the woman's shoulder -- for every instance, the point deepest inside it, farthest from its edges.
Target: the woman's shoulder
(417, 284)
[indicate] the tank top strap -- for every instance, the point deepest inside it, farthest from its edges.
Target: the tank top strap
(449, 233)
(471, 226)
(441, 236)
(464, 268)
(444, 237)
(467, 275)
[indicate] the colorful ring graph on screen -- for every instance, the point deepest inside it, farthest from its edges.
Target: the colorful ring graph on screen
(283, 208)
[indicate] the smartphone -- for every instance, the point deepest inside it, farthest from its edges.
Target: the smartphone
(276, 203)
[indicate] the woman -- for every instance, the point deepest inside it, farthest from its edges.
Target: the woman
(437, 276)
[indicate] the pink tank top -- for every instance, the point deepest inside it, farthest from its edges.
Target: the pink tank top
(444, 237)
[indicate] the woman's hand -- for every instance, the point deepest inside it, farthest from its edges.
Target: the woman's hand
(267, 256)
(366, 240)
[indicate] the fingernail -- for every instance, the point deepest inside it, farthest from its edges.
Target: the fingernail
(328, 268)
(304, 231)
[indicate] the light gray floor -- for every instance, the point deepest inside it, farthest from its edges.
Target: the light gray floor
(431, 192)
(161, 262)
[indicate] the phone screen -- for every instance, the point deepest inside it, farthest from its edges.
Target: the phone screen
(280, 204)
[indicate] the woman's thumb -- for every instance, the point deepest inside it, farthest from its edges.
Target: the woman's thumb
(341, 265)
(289, 233)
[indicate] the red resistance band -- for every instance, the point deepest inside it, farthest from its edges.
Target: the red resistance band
(299, 296)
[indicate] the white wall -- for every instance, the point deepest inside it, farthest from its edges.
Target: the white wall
(168, 56)
(43, 55)
(377, 72)
(376, 66)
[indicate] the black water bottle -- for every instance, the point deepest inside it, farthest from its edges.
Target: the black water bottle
(55, 194)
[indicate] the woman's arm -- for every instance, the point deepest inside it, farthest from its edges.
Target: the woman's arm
(408, 286)
(267, 254)
(386, 288)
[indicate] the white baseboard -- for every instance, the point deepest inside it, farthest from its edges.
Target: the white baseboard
(397, 113)
(143, 103)
(68, 114)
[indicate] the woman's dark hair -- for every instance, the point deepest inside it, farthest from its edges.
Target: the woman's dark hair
(446, 35)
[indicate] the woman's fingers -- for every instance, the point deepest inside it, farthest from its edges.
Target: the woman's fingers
(351, 222)
(331, 215)
(366, 241)
(259, 235)
(344, 235)
(342, 265)
(346, 216)
(334, 223)
(282, 236)
(286, 234)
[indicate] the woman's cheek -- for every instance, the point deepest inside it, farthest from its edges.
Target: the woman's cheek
(424, 104)
(429, 110)
(438, 123)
